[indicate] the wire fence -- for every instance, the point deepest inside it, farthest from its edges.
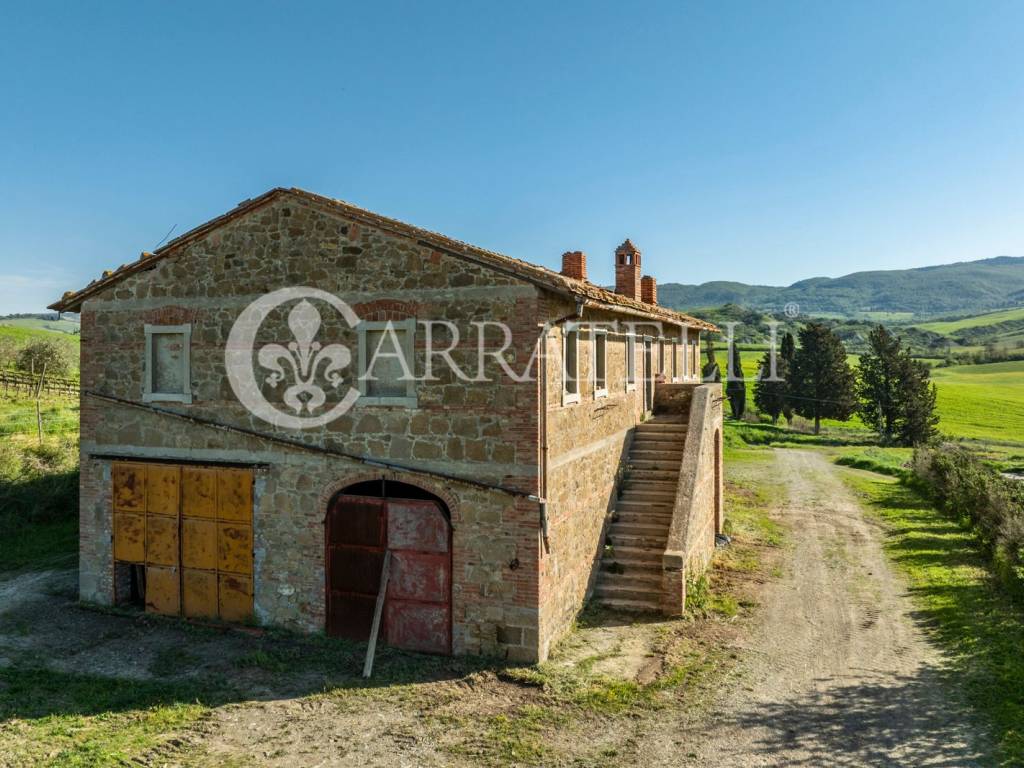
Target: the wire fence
(40, 406)
(14, 383)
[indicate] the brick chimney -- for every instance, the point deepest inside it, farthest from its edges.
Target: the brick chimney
(574, 265)
(648, 290)
(627, 270)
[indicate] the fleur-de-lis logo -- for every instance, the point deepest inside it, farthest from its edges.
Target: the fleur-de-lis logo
(306, 365)
(304, 356)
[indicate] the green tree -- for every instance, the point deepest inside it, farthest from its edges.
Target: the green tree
(879, 382)
(710, 373)
(735, 384)
(771, 389)
(918, 422)
(822, 383)
(787, 352)
(54, 356)
(897, 398)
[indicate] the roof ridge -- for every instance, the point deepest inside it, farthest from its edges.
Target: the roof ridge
(554, 280)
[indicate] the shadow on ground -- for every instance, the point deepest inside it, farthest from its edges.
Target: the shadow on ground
(882, 722)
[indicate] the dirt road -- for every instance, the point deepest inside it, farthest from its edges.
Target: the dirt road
(838, 673)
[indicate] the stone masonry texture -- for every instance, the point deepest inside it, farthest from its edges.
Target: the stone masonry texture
(513, 593)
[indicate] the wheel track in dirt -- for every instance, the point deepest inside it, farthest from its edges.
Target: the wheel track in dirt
(837, 673)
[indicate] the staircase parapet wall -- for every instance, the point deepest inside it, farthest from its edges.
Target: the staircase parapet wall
(673, 399)
(697, 514)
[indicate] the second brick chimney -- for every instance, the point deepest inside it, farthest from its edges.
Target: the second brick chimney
(627, 270)
(574, 265)
(648, 290)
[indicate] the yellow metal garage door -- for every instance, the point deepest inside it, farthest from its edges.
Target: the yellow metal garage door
(191, 527)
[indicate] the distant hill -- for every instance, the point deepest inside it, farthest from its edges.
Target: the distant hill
(963, 288)
(43, 322)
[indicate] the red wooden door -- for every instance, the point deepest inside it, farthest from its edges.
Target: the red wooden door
(417, 609)
(418, 605)
(356, 538)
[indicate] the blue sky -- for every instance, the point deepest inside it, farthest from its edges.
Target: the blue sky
(757, 141)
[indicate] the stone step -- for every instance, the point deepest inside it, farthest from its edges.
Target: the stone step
(642, 517)
(656, 425)
(646, 507)
(606, 592)
(635, 555)
(652, 475)
(660, 437)
(655, 465)
(668, 484)
(632, 606)
(656, 450)
(637, 579)
(636, 569)
(639, 528)
(673, 460)
(635, 540)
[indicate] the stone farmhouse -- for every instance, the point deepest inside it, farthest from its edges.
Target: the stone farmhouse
(512, 441)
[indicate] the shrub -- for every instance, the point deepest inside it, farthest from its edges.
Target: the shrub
(964, 486)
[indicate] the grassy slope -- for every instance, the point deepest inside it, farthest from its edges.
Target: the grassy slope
(35, 323)
(975, 621)
(985, 402)
(947, 327)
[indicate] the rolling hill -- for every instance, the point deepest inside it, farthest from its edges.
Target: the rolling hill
(963, 288)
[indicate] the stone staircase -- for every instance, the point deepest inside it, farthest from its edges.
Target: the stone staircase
(630, 574)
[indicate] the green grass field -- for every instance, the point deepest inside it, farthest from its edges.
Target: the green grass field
(35, 323)
(947, 327)
(984, 402)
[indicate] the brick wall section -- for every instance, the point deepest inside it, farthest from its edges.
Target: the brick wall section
(486, 431)
(698, 513)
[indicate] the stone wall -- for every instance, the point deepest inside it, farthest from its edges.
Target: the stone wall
(699, 512)
(486, 431)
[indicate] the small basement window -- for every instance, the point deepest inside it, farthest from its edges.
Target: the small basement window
(570, 366)
(600, 364)
(386, 363)
(630, 362)
(167, 375)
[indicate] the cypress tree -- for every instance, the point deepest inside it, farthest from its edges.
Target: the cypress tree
(736, 385)
(787, 351)
(710, 372)
(770, 391)
(822, 383)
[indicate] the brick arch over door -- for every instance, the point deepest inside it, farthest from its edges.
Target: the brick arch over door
(364, 521)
